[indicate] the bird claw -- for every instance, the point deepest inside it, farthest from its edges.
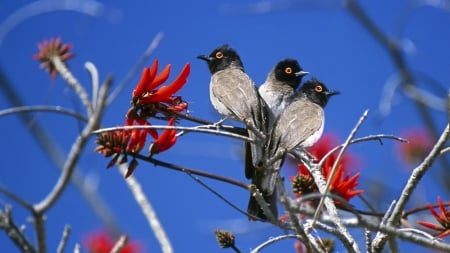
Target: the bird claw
(218, 124)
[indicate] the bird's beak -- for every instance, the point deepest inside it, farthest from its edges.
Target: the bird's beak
(332, 93)
(301, 73)
(205, 58)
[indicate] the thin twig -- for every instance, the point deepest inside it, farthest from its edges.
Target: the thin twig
(57, 157)
(132, 72)
(336, 163)
(320, 181)
(88, 7)
(411, 184)
(199, 129)
(13, 232)
(220, 196)
(192, 171)
(273, 240)
(210, 124)
(43, 108)
(63, 242)
(75, 153)
(16, 198)
(376, 137)
(306, 238)
(120, 244)
(69, 166)
(94, 80)
(73, 83)
(148, 211)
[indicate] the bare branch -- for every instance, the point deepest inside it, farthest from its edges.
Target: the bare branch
(63, 242)
(273, 240)
(200, 129)
(336, 163)
(192, 171)
(407, 191)
(148, 211)
(120, 244)
(132, 72)
(16, 198)
(68, 168)
(306, 238)
(220, 196)
(13, 232)
(74, 154)
(73, 83)
(43, 108)
(95, 81)
(88, 7)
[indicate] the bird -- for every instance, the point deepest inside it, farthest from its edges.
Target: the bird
(277, 91)
(234, 95)
(232, 92)
(281, 85)
(298, 127)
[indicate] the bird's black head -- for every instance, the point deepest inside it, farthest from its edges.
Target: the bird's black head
(290, 72)
(317, 92)
(222, 58)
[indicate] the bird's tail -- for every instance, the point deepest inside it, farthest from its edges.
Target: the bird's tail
(255, 212)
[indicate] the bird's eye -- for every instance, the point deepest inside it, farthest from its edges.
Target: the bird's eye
(318, 88)
(288, 70)
(219, 55)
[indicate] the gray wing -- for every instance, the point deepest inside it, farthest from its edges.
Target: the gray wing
(296, 124)
(236, 91)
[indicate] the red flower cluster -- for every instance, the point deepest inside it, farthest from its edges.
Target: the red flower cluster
(443, 218)
(102, 242)
(52, 48)
(418, 146)
(148, 101)
(342, 184)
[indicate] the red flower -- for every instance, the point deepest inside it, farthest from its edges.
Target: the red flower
(165, 141)
(342, 184)
(48, 49)
(418, 146)
(102, 242)
(148, 101)
(443, 218)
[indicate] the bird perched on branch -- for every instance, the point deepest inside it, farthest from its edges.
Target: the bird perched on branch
(234, 95)
(299, 126)
(277, 91)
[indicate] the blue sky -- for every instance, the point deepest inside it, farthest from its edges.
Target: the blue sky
(328, 42)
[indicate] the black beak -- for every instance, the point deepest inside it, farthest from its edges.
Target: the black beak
(332, 93)
(205, 58)
(301, 73)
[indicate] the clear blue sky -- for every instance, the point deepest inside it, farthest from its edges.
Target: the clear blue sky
(327, 41)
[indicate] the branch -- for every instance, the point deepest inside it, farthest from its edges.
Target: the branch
(273, 240)
(210, 124)
(13, 232)
(43, 108)
(306, 238)
(132, 72)
(200, 129)
(413, 181)
(73, 83)
(148, 211)
(336, 163)
(63, 242)
(120, 244)
(220, 196)
(192, 171)
(88, 7)
(68, 168)
(75, 153)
